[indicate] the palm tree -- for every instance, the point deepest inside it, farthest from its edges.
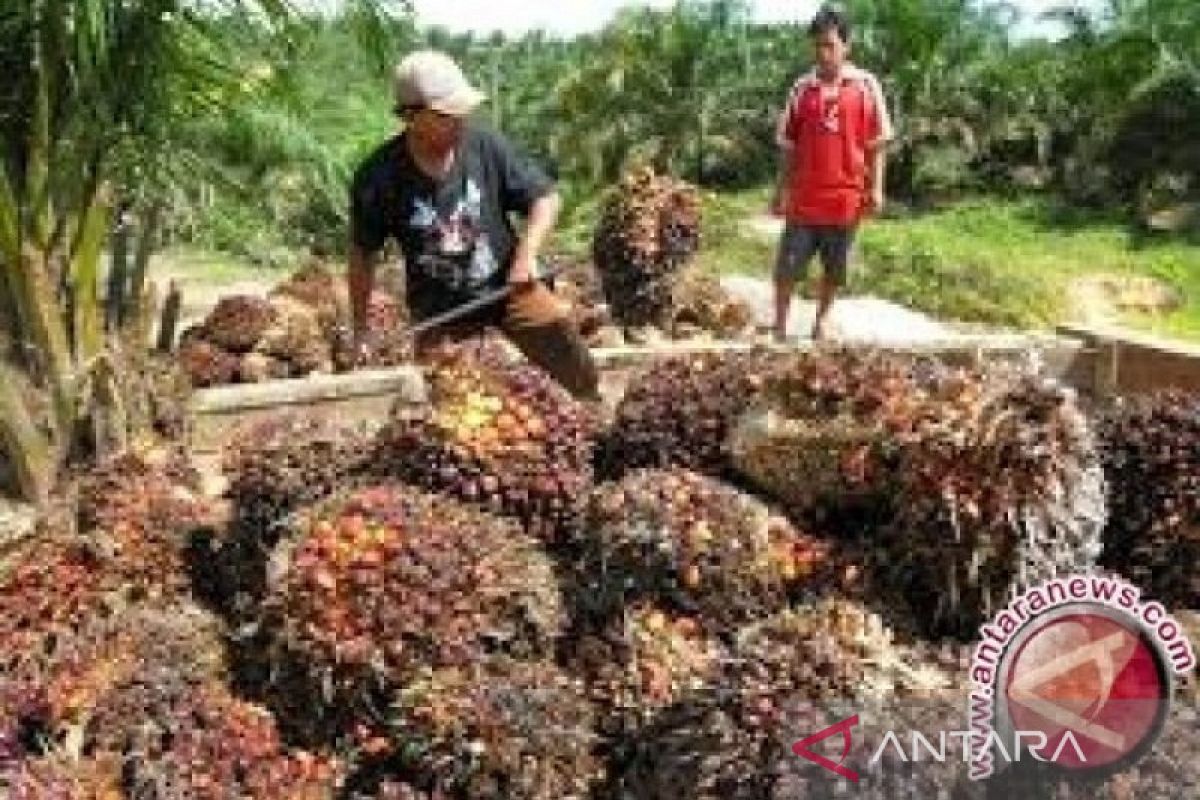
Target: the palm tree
(97, 94)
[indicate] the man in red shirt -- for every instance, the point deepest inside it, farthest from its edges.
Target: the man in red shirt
(833, 134)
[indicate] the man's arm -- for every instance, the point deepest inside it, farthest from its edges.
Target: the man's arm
(779, 201)
(877, 175)
(542, 216)
(361, 279)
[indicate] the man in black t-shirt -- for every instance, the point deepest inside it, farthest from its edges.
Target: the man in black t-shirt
(444, 189)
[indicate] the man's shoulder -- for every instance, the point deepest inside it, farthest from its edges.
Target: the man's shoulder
(857, 74)
(378, 163)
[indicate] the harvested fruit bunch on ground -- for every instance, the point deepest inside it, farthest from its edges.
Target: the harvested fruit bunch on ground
(237, 322)
(822, 438)
(64, 778)
(318, 287)
(790, 674)
(288, 461)
(502, 436)
(296, 338)
(52, 585)
(273, 467)
(679, 412)
(694, 544)
(644, 662)
(56, 687)
(1151, 453)
(200, 742)
(699, 303)
(649, 230)
(153, 489)
(389, 580)
(205, 364)
(1000, 485)
(501, 730)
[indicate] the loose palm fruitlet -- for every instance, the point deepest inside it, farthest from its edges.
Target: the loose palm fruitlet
(1151, 452)
(388, 580)
(643, 662)
(1000, 487)
(649, 230)
(501, 435)
(679, 412)
(821, 438)
(695, 545)
(199, 742)
(501, 729)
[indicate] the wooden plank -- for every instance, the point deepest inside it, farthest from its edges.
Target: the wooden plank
(407, 382)
(1130, 363)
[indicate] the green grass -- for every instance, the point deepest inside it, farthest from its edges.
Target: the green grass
(1004, 262)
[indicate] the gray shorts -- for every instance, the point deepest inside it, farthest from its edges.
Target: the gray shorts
(801, 242)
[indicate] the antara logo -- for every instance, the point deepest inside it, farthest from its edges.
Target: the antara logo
(1036, 743)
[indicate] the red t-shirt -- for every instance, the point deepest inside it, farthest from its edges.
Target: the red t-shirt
(831, 135)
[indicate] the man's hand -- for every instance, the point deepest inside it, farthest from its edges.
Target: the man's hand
(777, 207)
(523, 270)
(874, 201)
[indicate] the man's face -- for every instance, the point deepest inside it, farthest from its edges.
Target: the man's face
(830, 51)
(439, 133)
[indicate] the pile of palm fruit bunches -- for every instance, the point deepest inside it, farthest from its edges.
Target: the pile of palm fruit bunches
(644, 249)
(644, 276)
(497, 594)
(302, 327)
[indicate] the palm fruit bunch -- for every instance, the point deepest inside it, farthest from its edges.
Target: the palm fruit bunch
(499, 729)
(237, 322)
(57, 686)
(649, 231)
(52, 585)
(694, 544)
(281, 463)
(316, 287)
(578, 285)
(198, 741)
(386, 581)
(295, 339)
(679, 411)
(64, 778)
(1151, 453)
(999, 486)
(644, 661)
(700, 304)
(155, 488)
(204, 363)
(821, 439)
(498, 434)
(273, 467)
(792, 673)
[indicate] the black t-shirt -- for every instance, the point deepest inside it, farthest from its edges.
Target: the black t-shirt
(455, 233)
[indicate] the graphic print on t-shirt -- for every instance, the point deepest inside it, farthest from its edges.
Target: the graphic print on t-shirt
(455, 251)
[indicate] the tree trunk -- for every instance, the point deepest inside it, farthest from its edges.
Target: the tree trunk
(25, 446)
(169, 322)
(141, 262)
(118, 272)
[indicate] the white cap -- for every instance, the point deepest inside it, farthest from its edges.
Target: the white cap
(431, 79)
